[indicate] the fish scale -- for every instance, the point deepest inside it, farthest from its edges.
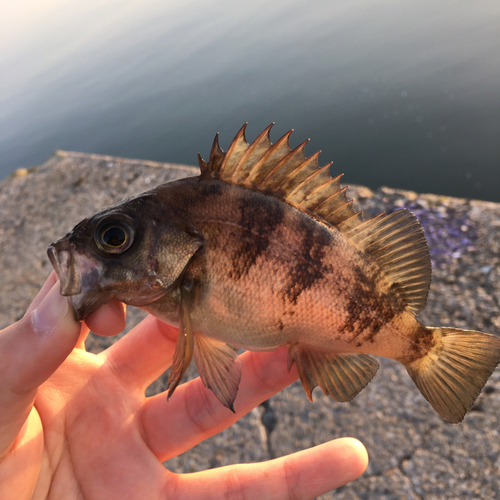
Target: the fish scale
(263, 250)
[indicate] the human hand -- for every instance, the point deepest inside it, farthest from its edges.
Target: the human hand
(77, 425)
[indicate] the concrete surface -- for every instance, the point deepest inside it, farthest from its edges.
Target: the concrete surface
(413, 453)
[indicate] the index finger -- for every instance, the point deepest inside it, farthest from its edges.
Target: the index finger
(30, 351)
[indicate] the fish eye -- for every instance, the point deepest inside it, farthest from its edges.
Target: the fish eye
(114, 236)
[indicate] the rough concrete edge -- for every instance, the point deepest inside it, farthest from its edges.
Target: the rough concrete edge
(94, 156)
(436, 198)
(60, 153)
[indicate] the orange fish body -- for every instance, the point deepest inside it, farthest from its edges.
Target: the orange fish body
(262, 250)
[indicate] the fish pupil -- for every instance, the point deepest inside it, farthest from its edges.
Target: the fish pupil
(114, 237)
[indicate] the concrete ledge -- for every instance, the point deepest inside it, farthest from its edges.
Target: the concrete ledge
(413, 453)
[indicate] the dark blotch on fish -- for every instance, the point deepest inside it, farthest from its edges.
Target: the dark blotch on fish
(259, 224)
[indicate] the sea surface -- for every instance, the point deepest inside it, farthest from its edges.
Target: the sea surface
(397, 93)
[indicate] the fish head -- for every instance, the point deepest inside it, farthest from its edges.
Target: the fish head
(133, 252)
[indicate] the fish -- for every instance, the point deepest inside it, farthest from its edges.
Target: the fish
(263, 250)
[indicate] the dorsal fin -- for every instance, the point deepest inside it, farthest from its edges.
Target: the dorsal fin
(286, 173)
(395, 242)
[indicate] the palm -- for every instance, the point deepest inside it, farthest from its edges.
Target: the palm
(92, 429)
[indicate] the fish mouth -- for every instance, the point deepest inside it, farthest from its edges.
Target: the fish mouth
(85, 298)
(63, 260)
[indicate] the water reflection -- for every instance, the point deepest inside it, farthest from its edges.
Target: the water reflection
(398, 93)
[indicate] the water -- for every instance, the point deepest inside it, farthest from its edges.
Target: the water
(397, 93)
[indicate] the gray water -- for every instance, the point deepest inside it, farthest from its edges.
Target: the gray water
(397, 93)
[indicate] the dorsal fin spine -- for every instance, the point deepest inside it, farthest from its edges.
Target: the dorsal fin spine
(247, 154)
(232, 152)
(331, 184)
(348, 203)
(318, 193)
(315, 174)
(307, 199)
(296, 151)
(270, 151)
(205, 171)
(278, 144)
(303, 167)
(334, 195)
(353, 221)
(216, 157)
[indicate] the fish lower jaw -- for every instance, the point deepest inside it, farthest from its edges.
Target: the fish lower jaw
(85, 303)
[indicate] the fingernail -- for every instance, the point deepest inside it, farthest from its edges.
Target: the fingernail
(50, 312)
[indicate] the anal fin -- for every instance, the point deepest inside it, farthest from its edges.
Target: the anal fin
(341, 376)
(185, 341)
(219, 367)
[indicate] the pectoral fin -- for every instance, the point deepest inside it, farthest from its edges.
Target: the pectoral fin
(219, 367)
(185, 342)
(340, 376)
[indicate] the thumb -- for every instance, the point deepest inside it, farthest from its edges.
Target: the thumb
(30, 352)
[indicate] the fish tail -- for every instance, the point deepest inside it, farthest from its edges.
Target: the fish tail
(451, 375)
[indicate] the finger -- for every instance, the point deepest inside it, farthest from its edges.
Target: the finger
(194, 413)
(142, 355)
(30, 351)
(108, 320)
(301, 476)
(49, 283)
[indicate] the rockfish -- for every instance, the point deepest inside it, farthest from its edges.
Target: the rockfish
(262, 250)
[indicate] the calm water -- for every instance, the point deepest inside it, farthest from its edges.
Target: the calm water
(398, 93)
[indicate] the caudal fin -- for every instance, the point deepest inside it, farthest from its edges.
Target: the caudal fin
(453, 373)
